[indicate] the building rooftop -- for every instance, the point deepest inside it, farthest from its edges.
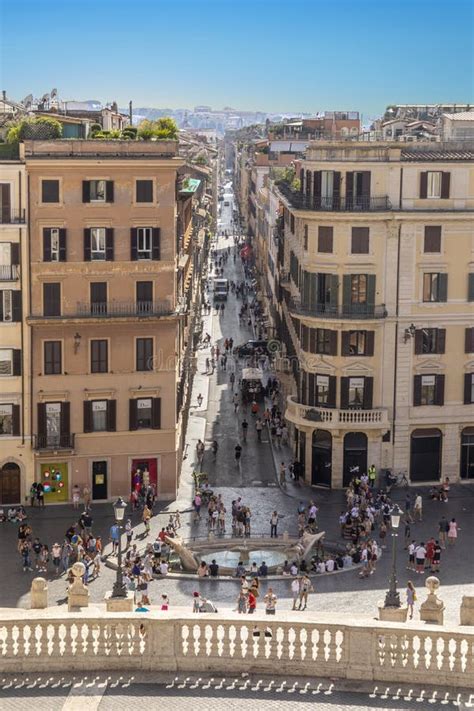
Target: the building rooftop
(85, 149)
(461, 116)
(412, 154)
(189, 186)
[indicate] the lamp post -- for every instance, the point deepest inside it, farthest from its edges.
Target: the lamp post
(119, 589)
(392, 598)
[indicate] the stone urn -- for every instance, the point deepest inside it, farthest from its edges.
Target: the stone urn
(432, 609)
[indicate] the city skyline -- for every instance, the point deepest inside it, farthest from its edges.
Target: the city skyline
(241, 48)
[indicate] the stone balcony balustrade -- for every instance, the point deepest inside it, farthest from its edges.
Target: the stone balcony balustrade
(333, 418)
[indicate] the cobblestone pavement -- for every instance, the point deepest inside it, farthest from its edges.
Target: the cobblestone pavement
(255, 480)
(66, 693)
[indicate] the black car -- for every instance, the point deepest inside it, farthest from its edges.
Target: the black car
(251, 347)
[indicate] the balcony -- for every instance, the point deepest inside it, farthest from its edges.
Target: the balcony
(12, 217)
(357, 312)
(112, 310)
(334, 419)
(53, 443)
(301, 201)
(9, 272)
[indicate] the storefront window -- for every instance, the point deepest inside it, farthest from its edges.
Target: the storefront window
(54, 477)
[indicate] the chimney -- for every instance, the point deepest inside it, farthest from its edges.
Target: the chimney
(4, 95)
(130, 113)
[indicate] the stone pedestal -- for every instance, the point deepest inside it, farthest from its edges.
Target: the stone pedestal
(78, 593)
(467, 610)
(39, 594)
(286, 536)
(119, 604)
(432, 610)
(392, 614)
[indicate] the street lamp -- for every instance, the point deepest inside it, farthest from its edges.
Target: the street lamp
(392, 598)
(119, 589)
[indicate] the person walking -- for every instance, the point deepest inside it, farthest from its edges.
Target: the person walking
(420, 555)
(146, 516)
(274, 525)
(436, 557)
(295, 591)
(418, 509)
(270, 600)
(235, 400)
(408, 516)
(305, 588)
(453, 532)
(443, 528)
(251, 602)
(245, 426)
(238, 452)
(241, 603)
(114, 537)
(372, 473)
(411, 597)
(259, 428)
(282, 474)
(199, 399)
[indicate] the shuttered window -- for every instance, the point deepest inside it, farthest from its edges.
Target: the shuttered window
(435, 287)
(99, 356)
(325, 240)
(432, 241)
(50, 191)
(52, 299)
(430, 340)
(144, 355)
(144, 191)
(428, 390)
(52, 357)
(360, 240)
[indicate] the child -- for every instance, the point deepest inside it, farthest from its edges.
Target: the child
(196, 601)
(241, 603)
(96, 565)
(164, 602)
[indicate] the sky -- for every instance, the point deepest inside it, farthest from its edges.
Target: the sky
(269, 55)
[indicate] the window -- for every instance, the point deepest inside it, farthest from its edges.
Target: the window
(99, 415)
(5, 254)
(98, 291)
(325, 239)
(6, 361)
(144, 354)
(322, 390)
(327, 184)
(430, 340)
(53, 423)
(305, 238)
(5, 203)
(360, 240)
(98, 242)
(99, 356)
(6, 305)
(52, 299)
(144, 191)
(428, 383)
(434, 184)
(428, 390)
(144, 296)
(97, 190)
(469, 340)
(50, 191)
(469, 388)
(144, 242)
(356, 392)
(144, 413)
(432, 241)
(54, 244)
(470, 286)
(357, 342)
(324, 341)
(292, 223)
(435, 287)
(6, 419)
(52, 358)
(358, 288)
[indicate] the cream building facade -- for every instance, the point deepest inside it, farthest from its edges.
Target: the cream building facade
(376, 310)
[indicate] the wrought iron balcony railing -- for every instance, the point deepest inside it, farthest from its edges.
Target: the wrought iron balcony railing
(302, 201)
(342, 311)
(12, 217)
(9, 272)
(49, 442)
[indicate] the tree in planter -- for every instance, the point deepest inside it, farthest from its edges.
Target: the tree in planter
(41, 128)
(162, 129)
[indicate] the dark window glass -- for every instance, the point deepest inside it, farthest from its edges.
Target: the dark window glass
(144, 190)
(52, 358)
(99, 350)
(50, 191)
(144, 296)
(359, 288)
(144, 353)
(52, 299)
(357, 341)
(360, 240)
(325, 239)
(432, 242)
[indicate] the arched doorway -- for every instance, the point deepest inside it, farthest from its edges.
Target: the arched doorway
(425, 455)
(467, 453)
(321, 467)
(10, 484)
(355, 456)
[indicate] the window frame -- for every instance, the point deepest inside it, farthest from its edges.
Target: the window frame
(356, 278)
(103, 230)
(95, 182)
(144, 202)
(144, 358)
(144, 231)
(10, 433)
(430, 183)
(57, 180)
(321, 386)
(143, 399)
(7, 308)
(10, 351)
(53, 360)
(433, 390)
(105, 411)
(360, 334)
(95, 369)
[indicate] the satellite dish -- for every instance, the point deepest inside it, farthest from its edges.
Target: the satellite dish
(45, 97)
(54, 93)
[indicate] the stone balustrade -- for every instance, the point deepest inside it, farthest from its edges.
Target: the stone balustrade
(302, 644)
(333, 418)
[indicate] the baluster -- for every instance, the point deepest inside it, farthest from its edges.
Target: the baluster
(84, 639)
(52, 645)
(26, 641)
(209, 639)
(38, 640)
(441, 656)
(459, 651)
(244, 642)
(315, 644)
(184, 644)
(221, 634)
(196, 645)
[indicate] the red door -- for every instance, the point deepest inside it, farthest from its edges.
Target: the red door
(143, 469)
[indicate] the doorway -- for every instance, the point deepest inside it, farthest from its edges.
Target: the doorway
(425, 455)
(321, 466)
(355, 456)
(99, 480)
(10, 484)
(467, 453)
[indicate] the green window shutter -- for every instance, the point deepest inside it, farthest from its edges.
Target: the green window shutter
(470, 287)
(442, 287)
